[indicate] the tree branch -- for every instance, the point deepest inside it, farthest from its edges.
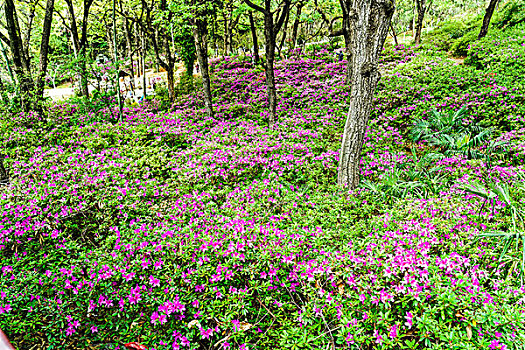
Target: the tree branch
(5, 39)
(277, 27)
(255, 7)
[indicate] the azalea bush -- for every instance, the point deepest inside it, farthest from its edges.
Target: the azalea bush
(179, 231)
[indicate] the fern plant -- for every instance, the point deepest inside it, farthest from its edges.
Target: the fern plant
(451, 135)
(515, 208)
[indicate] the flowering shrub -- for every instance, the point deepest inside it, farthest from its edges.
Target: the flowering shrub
(183, 232)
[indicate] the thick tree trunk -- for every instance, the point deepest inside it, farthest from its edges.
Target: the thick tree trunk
(200, 34)
(44, 48)
(255, 42)
(486, 19)
(369, 23)
(421, 8)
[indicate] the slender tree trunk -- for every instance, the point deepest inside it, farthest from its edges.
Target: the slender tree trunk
(486, 19)
(270, 59)
(394, 33)
(421, 8)
(225, 38)
(21, 66)
(283, 39)
(109, 39)
(79, 44)
(143, 51)
(271, 29)
(296, 24)
(29, 27)
(129, 46)
(200, 33)
(369, 26)
(44, 49)
(255, 42)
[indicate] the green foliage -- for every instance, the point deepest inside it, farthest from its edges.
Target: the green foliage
(451, 134)
(511, 197)
(501, 52)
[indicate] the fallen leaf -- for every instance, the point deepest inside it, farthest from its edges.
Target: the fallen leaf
(244, 326)
(193, 323)
(135, 346)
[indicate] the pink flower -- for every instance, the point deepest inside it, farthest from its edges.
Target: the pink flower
(393, 332)
(409, 320)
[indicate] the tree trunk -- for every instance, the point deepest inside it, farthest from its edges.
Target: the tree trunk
(109, 39)
(255, 42)
(29, 27)
(369, 24)
(420, 8)
(283, 39)
(200, 33)
(296, 24)
(129, 47)
(486, 19)
(394, 33)
(271, 29)
(270, 59)
(44, 49)
(21, 65)
(225, 38)
(79, 44)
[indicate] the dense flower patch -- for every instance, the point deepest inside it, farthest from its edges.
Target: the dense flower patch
(179, 231)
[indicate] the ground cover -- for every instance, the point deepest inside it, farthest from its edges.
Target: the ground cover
(180, 231)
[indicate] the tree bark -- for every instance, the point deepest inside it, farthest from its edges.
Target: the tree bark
(369, 23)
(283, 39)
(44, 49)
(255, 42)
(129, 47)
(80, 43)
(421, 8)
(269, 68)
(200, 34)
(296, 23)
(486, 19)
(29, 27)
(271, 29)
(21, 65)
(394, 33)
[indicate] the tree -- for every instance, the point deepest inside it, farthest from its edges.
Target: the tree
(486, 19)
(345, 31)
(231, 16)
(201, 9)
(44, 48)
(21, 62)
(421, 8)
(297, 22)
(255, 42)
(80, 42)
(368, 24)
(272, 26)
